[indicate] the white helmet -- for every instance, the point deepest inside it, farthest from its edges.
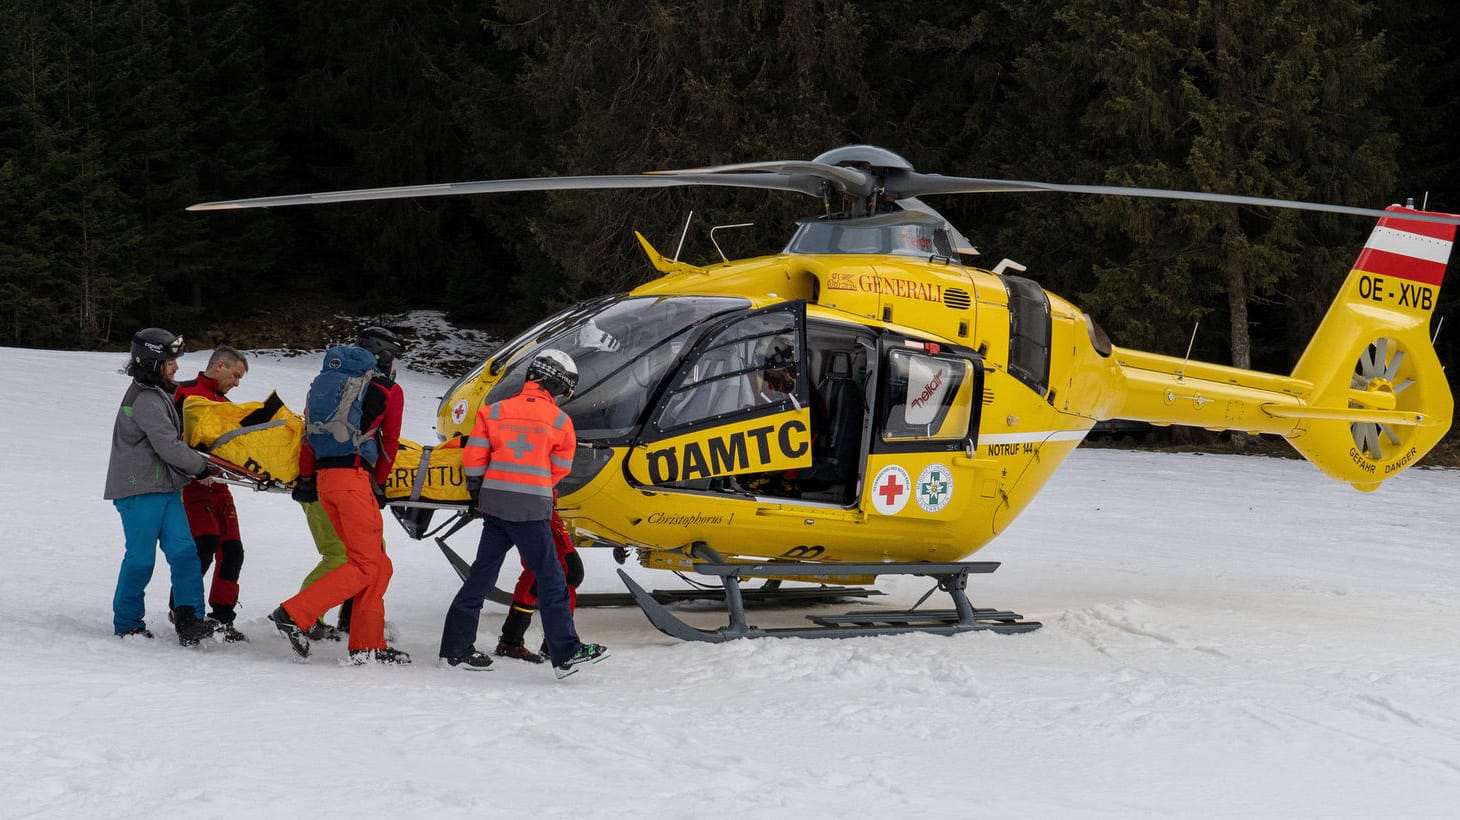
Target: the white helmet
(555, 371)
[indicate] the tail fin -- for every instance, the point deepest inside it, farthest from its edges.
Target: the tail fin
(1380, 400)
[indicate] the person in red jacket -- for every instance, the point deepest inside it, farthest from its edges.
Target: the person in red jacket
(352, 491)
(519, 448)
(209, 507)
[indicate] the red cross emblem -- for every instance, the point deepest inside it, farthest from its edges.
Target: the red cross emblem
(891, 489)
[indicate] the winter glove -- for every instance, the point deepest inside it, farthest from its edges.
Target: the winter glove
(473, 493)
(380, 498)
(306, 491)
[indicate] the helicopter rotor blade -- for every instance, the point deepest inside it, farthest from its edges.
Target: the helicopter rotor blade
(798, 183)
(851, 180)
(864, 168)
(908, 183)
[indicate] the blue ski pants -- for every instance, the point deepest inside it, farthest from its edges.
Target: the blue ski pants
(534, 541)
(148, 520)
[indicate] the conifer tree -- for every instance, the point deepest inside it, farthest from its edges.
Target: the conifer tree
(1232, 96)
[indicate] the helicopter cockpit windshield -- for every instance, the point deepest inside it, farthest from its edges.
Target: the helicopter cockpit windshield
(903, 234)
(622, 349)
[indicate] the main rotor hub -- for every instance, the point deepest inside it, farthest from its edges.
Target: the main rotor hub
(864, 155)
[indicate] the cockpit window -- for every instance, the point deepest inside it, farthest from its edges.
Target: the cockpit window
(898, 234)
(622, 349)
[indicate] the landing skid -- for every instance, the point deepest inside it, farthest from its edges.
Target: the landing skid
(770, 594)
(952, 578)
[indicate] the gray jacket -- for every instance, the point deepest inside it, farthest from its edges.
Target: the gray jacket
(148, 453)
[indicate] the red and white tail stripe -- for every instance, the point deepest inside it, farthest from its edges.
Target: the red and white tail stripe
(1406, 249)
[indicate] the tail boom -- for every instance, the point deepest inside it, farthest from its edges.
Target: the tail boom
(1367, 399)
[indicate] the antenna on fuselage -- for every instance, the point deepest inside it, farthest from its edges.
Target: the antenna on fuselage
(717, 244)
(683, 234)
(1181, 374)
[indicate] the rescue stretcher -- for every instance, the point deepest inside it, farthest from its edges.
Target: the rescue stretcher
(256, 445)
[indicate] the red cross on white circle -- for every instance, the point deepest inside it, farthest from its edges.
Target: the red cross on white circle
(891, 489)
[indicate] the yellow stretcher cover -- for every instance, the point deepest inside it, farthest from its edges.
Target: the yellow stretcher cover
(428, 473)
(263, 437)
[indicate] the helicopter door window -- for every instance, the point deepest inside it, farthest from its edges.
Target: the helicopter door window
(928, 397)
(749, 367)
(1029, 333)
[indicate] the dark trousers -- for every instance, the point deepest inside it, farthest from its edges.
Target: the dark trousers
(534, 541)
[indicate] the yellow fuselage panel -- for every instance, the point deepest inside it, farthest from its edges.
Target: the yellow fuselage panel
(925, 504)
(763, 280)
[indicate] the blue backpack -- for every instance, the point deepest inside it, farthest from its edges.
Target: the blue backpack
(335, 404)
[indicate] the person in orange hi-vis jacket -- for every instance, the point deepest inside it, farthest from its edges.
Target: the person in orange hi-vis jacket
(352, 492)
(519, 448)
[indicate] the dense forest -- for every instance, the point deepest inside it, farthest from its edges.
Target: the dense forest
(114, 116)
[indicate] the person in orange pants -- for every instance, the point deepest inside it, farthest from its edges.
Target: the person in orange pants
(513, 642)
(351, 490)
(350, 502)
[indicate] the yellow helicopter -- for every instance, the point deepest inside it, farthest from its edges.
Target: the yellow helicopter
(870, 402)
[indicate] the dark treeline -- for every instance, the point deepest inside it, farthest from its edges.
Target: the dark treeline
(114, 116)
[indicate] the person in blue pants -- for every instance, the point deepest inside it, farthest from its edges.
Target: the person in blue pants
(519, 448)
(148, 467)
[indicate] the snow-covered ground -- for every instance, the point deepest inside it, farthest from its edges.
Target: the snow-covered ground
(1223, 636)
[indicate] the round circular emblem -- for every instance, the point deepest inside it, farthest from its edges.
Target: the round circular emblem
(934, 488)
(458, 411)
(890, 490)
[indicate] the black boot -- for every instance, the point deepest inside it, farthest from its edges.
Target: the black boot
(225, 614)
(514, 628)
(190, 628)
(343, 625)
(286, 626)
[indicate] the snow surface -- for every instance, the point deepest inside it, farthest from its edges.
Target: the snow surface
(1223, 636)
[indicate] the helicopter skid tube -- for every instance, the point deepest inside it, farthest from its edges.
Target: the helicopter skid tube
(951, 578)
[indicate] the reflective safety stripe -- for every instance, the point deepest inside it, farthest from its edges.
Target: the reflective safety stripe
(494, 412)
(478, 441)
(475, 472)
(566, 463)
(235, 433)
(514, 487)
(422, 470)
(560, 420)
(519, 469)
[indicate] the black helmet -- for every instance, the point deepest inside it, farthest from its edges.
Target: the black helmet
(152, 346)
(555, 371)
(385, 344)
